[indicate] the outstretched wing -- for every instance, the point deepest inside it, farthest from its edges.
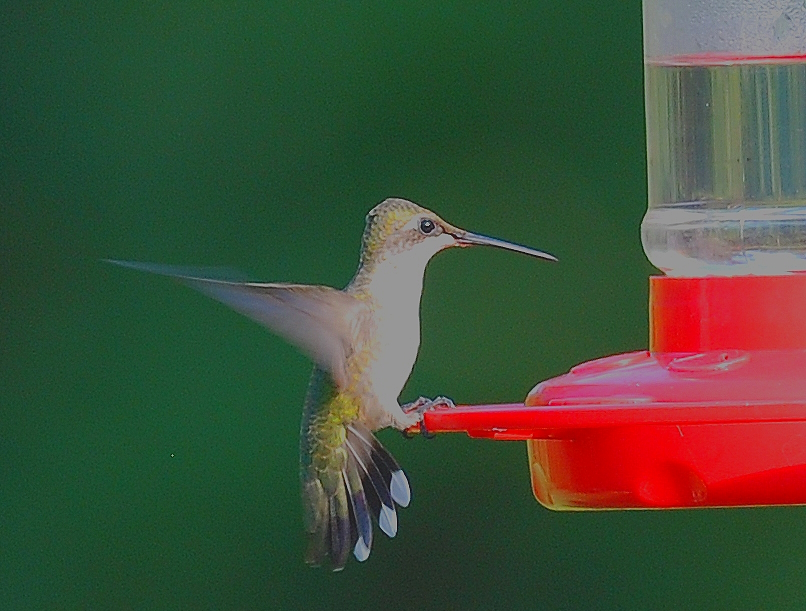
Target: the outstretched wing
(315, 319)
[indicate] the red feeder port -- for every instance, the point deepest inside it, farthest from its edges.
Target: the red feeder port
(713, 415)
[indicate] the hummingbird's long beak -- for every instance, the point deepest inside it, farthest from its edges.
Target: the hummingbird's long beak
(466, 238)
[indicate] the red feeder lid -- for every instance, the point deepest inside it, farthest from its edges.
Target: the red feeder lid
(715, 415)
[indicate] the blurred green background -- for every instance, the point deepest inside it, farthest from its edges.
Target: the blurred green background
(148, 442)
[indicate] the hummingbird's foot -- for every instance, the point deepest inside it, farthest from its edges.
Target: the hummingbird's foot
(419, 407)
(416, 407)
(423, 404)
(440, 401)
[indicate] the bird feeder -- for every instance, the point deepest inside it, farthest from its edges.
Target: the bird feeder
(714, 412)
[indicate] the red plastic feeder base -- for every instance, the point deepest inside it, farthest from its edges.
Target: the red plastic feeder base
(714, 415)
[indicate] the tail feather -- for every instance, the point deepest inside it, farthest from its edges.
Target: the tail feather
(329, 520)
(360, 511)
(339, 510)
(341, 533)
(390, 469)
(316, 510)
(372, 472)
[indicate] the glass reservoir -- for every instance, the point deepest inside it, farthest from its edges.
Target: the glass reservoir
(726, 137)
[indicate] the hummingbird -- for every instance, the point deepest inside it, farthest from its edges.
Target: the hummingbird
(363, 341)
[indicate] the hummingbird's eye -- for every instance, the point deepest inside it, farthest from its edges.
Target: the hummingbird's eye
(427, 226)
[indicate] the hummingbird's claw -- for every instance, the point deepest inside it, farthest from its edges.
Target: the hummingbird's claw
(420, 406)
(420, 429)
(444, 402)
(424, 431)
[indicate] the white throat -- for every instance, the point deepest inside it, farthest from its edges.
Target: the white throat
(397, 284)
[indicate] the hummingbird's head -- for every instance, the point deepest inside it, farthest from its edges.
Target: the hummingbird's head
(398, 229)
